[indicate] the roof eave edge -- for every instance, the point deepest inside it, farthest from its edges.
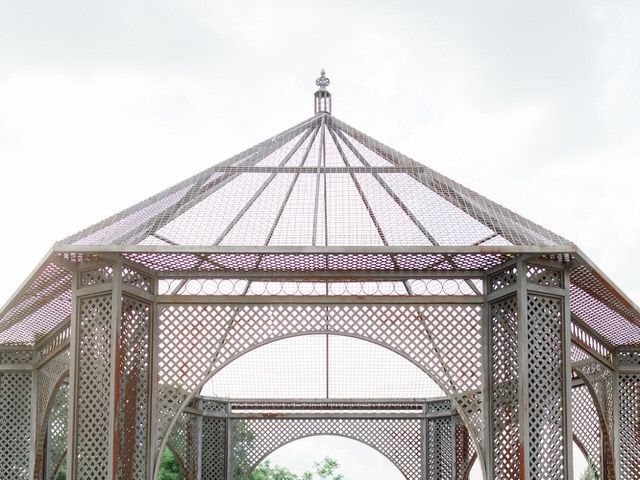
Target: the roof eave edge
(27, 282)
(581, 257)
(570, 248)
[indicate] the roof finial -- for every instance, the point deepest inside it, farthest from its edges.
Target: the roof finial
(323, 82)
(322, 98)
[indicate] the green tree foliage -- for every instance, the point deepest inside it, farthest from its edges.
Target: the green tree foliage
(327, 469)
(266, 471)
(169, 468)
(62, 472)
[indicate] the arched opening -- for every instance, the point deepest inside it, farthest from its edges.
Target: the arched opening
(54, 445)
(356, 460)
(316, 368)
(321, 366)
(475, 473)
(582, 468)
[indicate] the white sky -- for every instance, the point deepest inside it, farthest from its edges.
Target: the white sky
(534, 104)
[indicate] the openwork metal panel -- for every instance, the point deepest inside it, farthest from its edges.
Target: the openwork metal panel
(15, 424)
(185, 441)
(40, 307)
(50, 378)
(342, 174)
(599, 385)
(133, 403)
(214, 448)
(56, 437)
(398, 440)
(93, 393)
(198, 340)
(439, 448)
(464, 450)
(546, 387)
(503, 376)
(629, 391)
(586, 426)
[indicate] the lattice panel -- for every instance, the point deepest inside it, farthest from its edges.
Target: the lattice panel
(214, 448)
(600, 381)
(503, 279)
(463, 449)
(93, 388)
(439, 449)
(629, 385)
(503, 376)
(16, 357)
(136, 279)
(630, 358)
(586, 425)
(546, 276)
(184, 442)
(546, 381)
(49, 376)
(397, 439)
(95, 276)
(133, 402)
(190, 337)
(57, 427)
(190, 343)
(15, 425)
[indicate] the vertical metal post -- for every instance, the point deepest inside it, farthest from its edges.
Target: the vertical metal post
(568, 384)
(152, 437)
(423, 442)
(73, 375)
(229, 444)
(523, 369)
(114, 395)
(615, 385)
(486, 456)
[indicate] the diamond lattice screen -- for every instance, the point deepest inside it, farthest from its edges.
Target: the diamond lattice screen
(398, 439)
(198, 340)
(15, 425)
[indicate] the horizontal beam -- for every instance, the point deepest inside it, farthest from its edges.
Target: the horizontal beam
(312, 401)
(327, 275)
(309, 250)
(371, 415)
(320, 299)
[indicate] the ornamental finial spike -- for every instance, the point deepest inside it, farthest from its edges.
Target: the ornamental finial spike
(323, 82)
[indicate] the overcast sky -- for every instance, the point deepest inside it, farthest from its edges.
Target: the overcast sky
(536, 104)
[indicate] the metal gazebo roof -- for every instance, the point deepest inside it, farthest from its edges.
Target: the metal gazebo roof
(320, 197)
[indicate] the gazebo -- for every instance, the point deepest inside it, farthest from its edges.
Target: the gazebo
(440, 327)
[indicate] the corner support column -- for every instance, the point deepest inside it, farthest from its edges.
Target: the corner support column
(17, 413)
(627, 415)
(110, 387)
(527, 365)
(438, 442)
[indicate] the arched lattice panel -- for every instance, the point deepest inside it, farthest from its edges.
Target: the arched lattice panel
(198, 340)
(586, 426)
(50, 378)
(598, 386)
(56, 438)
(465, 452)
(397, 439)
